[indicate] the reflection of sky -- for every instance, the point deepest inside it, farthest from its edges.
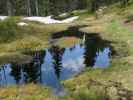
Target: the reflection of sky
(72, 64)
(102, 59)
(72, 61)
(5, 77)
(48, 73)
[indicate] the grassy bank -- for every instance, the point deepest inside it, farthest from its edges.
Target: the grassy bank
(26, 92)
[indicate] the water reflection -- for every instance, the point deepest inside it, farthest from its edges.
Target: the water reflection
(94, 46)
(54, 64)
(16, 72)
(57, 54)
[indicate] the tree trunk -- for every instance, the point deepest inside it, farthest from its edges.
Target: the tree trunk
(36, 7)
(9, 8)
(28, 8)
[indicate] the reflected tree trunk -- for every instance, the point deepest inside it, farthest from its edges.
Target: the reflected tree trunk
(57, 53)
(4, 75)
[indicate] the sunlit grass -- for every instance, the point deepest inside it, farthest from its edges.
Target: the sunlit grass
(26, 92)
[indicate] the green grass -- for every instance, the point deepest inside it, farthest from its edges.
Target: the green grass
(8, 30)
(121, 34)
(116, 29)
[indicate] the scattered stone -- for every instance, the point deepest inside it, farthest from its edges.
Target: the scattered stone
(100, 12)
(113, 90)
(22, 24)
(112, 93)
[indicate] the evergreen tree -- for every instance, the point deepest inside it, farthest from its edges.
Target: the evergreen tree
(53, 7)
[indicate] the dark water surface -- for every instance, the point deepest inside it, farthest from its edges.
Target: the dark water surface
(55, 64)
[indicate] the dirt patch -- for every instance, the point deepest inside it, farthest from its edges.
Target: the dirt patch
(114, 90)
(129, 25)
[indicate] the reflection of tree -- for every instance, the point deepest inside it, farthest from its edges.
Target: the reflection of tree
(3, 69)
(32, 71)
(72, 48)
(16, 72)
(57, 53)
(93, 42)
(0, 76)
(90, 52)
(93, 45)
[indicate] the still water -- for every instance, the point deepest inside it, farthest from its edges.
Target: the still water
(55, 64)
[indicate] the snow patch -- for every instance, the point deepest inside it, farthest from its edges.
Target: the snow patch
(3, 17)
(49, 20)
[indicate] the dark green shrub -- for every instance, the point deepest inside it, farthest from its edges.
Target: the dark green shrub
(8, 30)
(129, 18)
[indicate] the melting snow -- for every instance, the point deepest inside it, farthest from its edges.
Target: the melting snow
(3, 17)
(49, 20)
(44, 20)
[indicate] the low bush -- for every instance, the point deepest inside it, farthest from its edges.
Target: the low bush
(8, 30)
